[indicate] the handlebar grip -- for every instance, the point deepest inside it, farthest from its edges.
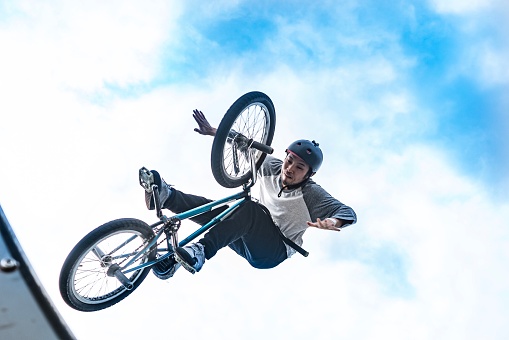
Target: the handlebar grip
(262, 147)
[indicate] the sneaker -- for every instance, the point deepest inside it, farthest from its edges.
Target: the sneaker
(191, 257)
(165, 191)
(166, 268)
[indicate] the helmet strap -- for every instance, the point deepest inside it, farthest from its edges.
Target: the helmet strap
(292, 186)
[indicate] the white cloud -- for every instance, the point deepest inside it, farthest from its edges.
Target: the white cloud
(82, 46)
(493, 64)
(462, 7)
(484, 44)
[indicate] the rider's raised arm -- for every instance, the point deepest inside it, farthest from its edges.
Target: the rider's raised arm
(204, 127)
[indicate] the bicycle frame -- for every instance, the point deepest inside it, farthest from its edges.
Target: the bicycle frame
(172, 224)
(238, 199)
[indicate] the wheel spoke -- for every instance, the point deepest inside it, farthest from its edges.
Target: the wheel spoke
(91, 283)
(252, 124)
(252, 116)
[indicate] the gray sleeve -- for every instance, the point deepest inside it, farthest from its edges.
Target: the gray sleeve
(322, 205)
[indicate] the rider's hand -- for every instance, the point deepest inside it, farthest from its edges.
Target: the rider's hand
(204, 127)
(326, 224)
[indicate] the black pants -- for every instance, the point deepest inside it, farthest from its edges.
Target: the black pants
(249, 231)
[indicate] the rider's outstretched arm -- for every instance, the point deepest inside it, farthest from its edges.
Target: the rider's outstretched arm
(204, 127)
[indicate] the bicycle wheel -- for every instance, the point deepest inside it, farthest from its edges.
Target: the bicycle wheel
(84, 281)
(253, 116)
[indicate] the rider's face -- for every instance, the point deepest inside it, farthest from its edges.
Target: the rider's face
(294, 170)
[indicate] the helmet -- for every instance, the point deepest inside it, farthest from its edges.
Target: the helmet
(309, 152)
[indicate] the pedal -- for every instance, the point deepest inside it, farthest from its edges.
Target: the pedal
(146, 179)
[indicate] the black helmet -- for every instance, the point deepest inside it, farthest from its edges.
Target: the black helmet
(309, 152)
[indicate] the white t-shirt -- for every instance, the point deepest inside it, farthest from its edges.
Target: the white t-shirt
(295, 207)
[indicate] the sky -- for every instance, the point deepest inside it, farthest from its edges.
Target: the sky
(408, 100)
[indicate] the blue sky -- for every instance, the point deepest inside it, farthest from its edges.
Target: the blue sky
(407, 99)
(431, 46)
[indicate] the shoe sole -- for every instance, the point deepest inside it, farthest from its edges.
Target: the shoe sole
(184, 259)
(161, 276)
(165, 275)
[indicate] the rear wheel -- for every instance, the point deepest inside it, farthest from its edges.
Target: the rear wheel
(253, 116)
(86, 281)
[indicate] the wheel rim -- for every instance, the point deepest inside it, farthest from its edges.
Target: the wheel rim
(89, 281)
(253, 123)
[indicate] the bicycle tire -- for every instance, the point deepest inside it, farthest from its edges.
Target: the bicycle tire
(84, 283)
(253, 115)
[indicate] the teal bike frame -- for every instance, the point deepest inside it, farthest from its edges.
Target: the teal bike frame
(172, 224)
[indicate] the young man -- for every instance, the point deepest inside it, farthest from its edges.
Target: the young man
(263, 233)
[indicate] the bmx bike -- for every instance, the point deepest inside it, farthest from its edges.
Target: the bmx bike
(110, 262)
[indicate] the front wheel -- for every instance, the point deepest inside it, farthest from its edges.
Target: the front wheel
(86, 281)
(252, 116)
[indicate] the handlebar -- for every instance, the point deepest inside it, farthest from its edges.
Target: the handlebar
(244, 142)
(261, 147)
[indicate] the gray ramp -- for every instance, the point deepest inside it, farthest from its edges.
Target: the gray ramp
(26, 311)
